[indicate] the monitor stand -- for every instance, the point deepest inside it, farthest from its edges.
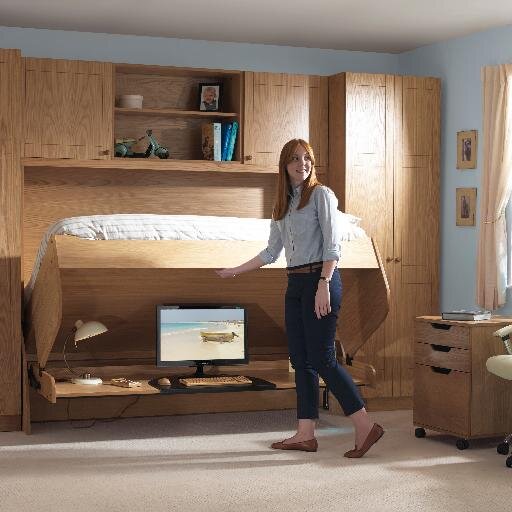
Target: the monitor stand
(199, 369)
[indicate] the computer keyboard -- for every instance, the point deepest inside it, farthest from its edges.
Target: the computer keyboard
(217, 380)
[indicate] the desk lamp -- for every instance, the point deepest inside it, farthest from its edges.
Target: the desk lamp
(83, 331)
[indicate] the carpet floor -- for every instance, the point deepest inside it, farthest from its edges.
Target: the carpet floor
(222, 462)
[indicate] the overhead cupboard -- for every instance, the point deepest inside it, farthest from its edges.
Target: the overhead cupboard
(376, 142)
(71, 109)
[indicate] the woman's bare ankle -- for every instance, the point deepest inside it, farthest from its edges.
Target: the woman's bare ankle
(362, 426)
(305, 431)
(300, 437)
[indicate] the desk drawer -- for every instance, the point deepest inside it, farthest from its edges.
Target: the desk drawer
(443, 356)
(442, 334)
(441, 399)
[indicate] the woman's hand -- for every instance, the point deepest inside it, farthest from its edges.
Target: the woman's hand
(226, 272)
(322, 300)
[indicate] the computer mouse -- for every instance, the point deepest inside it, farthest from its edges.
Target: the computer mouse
(164, 381)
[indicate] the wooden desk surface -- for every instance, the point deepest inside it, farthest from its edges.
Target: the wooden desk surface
(283, 379)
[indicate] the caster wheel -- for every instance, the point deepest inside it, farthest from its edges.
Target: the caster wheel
(420, 432)
(462, 444)
(503, 448)
(509, 462)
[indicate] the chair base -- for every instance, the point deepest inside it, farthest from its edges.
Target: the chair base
(504, 447)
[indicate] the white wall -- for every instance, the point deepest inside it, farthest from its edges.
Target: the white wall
(458, 62)
(60, 44)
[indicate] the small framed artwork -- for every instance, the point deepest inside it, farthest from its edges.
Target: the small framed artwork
(466, 206)
(466, 149)
(210, 97)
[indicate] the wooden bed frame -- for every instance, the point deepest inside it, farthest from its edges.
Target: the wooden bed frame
(120, 283)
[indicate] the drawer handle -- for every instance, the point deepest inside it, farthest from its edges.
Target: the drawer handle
(443, 327)
(440, 348)
(437, 369)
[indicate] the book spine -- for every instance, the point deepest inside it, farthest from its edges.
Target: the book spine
(226, 137)
(232, 140)
(207, 141)
(217, 136)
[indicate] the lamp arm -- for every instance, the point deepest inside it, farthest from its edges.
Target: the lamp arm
(64, 352)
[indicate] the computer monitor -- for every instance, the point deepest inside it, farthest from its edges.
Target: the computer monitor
(199, 335)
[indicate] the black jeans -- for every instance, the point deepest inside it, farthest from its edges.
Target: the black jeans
(312, 348)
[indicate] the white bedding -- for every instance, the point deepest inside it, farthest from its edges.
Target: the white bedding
(171, 227)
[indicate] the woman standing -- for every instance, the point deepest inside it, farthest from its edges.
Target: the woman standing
(304, 223)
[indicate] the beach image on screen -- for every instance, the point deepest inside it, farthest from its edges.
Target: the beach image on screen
(201, 334)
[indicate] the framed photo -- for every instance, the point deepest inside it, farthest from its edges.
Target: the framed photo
(466, 150)
(210, 97)
(466, 206)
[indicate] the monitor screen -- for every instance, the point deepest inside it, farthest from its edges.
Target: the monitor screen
(201, 335)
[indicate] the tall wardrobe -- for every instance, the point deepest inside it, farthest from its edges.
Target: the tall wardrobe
(384, 139)
(11, 191)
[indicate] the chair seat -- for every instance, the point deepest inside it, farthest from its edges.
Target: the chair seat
(500, 366)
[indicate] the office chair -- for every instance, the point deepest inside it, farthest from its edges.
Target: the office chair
(502, 367)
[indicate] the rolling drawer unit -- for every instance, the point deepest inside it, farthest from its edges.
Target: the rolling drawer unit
(453, 391)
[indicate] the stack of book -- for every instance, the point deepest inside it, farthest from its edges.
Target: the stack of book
(467, 314)
(218, 141)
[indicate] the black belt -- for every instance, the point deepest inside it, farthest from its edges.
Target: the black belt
(305, 269)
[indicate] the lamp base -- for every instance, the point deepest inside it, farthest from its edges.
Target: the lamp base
(88, 380)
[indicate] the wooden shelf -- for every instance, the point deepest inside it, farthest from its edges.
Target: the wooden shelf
(173, 112)
(148, 164)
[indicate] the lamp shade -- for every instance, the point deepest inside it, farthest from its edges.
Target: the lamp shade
(88, 329)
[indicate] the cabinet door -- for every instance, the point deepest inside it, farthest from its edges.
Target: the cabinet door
(68, 109)
(416, 245)
(368, 189)
(318, 109)
(11, 188)
(276, 110)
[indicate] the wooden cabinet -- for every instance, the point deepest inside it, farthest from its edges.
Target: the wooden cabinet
(280, 107)
(453, 391)
(375, 137)
(416, 214)
(171, 106)
(11, 187)
(68, 109)
(384, 168)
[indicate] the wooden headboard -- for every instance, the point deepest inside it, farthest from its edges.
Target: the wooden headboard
(51, 194)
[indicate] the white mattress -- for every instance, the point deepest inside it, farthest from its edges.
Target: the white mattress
(171, 227)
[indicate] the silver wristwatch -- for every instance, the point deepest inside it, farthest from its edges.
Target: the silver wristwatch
(326, 279)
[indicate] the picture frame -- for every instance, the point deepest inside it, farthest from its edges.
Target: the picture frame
(465, 206)
(466, 149)
(210, 97)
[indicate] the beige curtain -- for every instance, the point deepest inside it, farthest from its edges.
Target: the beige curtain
(496, 185)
